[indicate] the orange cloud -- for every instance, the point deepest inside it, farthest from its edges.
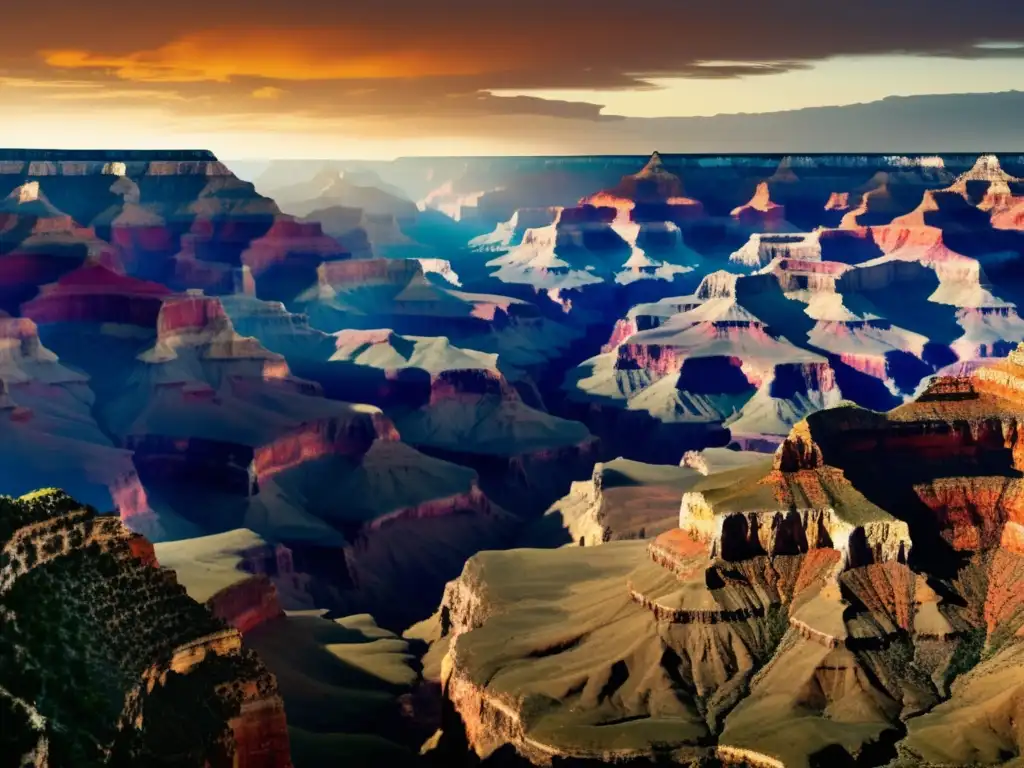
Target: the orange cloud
(268, 92)
(275, 54)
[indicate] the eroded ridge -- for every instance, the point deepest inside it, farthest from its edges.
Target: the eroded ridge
(857, 599)
(106, 660)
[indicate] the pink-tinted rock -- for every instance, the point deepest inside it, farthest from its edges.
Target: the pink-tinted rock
(95, 294)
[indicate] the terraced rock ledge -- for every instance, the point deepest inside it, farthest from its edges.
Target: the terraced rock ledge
(856, 602)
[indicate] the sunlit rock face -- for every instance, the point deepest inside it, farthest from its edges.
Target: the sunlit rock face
(761, 213)
(644, 195)
(825, 560)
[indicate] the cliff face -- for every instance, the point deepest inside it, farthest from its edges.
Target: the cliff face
(182, 222)
(626, 499)
(869, 570)
(237, 575)
(95, 294)
(69, 580)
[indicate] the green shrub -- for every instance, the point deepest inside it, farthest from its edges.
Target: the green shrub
(967, 654)
(776, 626)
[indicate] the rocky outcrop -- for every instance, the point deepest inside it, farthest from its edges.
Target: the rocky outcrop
(863, 567)
(513, 231)
(158, 654)
(1011, 217)
(289, 238)
(761, 212)
(761, 250)
(653, 184)
(95, 294)
(623, 499)
(235, 575)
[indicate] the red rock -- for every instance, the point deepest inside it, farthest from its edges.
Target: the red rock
(289, 237)
(654, 184)
(838, 201)
(760, 211)
(247, 604)
(182, 314)
(1011, 217)
(95, 294)
(261, 734)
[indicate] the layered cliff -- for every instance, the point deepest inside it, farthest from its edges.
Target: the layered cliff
(108, 661)
(847, 602)
(235, 575)
(50, 430)
(706, 362)
(622, 236)
(458, 404)
(626, 499)
(39, 242)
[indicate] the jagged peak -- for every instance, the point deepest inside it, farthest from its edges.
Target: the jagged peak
(986, 168)
(784, 172)
(799, 450)
(762, 199)
(654, 165)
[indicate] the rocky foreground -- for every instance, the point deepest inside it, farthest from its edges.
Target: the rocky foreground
(107, 661)
(857, 603)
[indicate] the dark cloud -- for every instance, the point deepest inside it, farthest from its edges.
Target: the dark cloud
(407, 56)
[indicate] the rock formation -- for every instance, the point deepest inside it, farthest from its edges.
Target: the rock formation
(701, 363)
(760, 213)
(850, 601)
(108, 662)
(629, 500)
(299, 430)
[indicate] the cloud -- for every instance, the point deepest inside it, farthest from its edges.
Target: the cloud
(388, 57)
(274, 53)
(268, 92)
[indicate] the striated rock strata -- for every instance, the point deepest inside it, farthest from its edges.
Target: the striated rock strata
(856, 600)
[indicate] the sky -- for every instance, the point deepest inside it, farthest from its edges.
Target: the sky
(323, 78)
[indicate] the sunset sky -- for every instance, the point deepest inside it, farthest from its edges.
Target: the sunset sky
(326, 78)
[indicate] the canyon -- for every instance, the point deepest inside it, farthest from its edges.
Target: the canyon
(641, 405)
(853, 599)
